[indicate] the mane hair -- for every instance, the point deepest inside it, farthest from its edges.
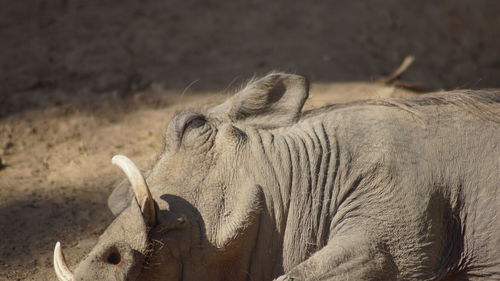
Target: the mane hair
(484, 104)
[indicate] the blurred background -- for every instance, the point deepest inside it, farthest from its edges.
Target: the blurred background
(104, 45)
(82, 80)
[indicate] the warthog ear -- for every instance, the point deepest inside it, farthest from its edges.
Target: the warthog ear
(272, 101)
(120, 197)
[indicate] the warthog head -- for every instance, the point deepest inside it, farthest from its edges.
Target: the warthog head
(198, 214)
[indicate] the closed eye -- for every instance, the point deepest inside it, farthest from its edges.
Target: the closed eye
(193, 122)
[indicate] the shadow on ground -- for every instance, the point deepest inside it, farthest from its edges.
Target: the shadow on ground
(30, 226)
(87, 47)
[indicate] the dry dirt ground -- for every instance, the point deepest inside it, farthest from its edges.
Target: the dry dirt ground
(56, 172)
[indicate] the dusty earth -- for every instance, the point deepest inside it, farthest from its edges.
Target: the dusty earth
(56, 172)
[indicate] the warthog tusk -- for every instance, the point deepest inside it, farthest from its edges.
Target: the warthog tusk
(139, 186)
(62, 271)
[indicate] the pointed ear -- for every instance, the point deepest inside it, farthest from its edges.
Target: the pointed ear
(274, 100)
(120, 197)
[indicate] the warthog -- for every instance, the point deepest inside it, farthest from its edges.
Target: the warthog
(256, 189)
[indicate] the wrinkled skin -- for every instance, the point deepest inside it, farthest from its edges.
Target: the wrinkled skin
(255, 189)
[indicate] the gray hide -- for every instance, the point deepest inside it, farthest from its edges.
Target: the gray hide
(256, 189)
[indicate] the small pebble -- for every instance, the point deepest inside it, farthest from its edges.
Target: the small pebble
(2, 165)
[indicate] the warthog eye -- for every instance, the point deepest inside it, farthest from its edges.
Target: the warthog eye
(192, 123)
(196, 122)
(113, 256)
(189, 126)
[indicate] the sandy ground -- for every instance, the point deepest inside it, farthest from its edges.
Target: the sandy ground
(131, 44)
(56, 172)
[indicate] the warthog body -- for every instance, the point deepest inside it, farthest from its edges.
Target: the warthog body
(256, 189)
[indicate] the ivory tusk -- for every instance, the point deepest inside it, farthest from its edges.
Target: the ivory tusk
(62, 271)
(138, 183)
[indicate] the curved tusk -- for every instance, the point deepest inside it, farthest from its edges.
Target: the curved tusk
(139, 185)
(62, 271)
